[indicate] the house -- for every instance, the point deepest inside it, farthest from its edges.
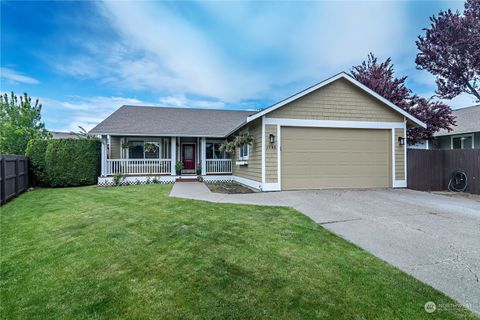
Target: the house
(63, 135)
(335, 134)
(465, 134)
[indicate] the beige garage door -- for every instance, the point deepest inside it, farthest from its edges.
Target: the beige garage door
(315, 158)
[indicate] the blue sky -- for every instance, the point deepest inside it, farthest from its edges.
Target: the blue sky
(83, 59)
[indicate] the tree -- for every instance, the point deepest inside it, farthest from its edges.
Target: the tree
(20, 121)
(437, 115)
(380, 77)
(450, 50)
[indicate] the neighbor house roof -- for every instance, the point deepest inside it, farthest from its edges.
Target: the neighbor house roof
(166, 121)
(63, 135)
(467, 120)
(341, 75)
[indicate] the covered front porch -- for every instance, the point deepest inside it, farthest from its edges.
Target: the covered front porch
(163, 156)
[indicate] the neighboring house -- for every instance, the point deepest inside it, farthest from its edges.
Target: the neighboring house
(63, 135)
(465, 134)
(336, 134)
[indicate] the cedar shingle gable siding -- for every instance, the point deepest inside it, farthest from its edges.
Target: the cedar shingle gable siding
(339, 100)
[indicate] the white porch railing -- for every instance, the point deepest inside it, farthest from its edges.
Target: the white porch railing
(138, 166)
(216, 166)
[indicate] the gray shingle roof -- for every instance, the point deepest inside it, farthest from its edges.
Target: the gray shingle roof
(149, 120)
(63, 135)
(468, 120)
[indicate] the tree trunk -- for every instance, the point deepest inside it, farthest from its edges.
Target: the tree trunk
(473, 91)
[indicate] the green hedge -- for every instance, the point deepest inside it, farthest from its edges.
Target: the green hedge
(72, 162)
(36, 154)
(65, 162)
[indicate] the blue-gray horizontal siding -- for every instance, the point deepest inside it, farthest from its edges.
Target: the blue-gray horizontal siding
(444, 142)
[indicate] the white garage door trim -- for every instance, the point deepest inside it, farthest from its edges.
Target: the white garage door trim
(329, 124)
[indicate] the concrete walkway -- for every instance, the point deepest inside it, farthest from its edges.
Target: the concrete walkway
(435, 238)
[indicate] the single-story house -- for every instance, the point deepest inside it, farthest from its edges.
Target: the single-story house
(335, 134)
(465, 133)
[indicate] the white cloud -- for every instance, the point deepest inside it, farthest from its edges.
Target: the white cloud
(461, 101)
(16, 77)
(239, 50)
(160, 51)
(180, 101)
(89, 111)
(81, 111)
(81, 67)
(336, 35)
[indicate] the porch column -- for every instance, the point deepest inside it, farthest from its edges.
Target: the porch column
(122, 151)
(203, 151)
(103, 162)
(173, 155)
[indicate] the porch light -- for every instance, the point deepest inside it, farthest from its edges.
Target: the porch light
(272, 138)
(401, 141)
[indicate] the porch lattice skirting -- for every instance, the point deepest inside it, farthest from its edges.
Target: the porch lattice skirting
(137, 180)
(133, 180)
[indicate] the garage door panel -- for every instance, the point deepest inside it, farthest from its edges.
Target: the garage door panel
(335, 182)
(335, 158)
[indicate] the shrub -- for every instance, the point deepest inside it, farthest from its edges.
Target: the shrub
(118, 179)
(36, 154)
(72, 162)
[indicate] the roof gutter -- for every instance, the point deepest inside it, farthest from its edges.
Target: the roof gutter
(154, 135)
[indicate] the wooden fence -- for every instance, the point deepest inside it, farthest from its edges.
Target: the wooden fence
(431, 170)
(13, 176)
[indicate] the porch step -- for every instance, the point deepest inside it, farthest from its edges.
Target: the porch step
(186, 180)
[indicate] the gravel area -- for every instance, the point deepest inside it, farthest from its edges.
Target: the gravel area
(229, 188)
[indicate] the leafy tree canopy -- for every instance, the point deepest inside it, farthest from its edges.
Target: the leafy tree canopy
(20, 121)
(450, 50)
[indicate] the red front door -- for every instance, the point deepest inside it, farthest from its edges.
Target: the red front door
(188, 156)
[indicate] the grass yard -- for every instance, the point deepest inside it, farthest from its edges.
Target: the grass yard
(133, 252)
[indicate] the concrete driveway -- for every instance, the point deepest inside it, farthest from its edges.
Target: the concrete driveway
(435, 238)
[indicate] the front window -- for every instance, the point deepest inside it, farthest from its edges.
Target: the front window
(213, 151)
(138, 149)
(151, 150)
(462, 142)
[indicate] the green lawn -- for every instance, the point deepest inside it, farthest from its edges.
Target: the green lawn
(133, 252)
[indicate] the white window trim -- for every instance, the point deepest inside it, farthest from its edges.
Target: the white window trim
(244, 158)
(470, 135)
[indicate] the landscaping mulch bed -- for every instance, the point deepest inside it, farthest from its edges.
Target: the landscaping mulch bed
(229, 188)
